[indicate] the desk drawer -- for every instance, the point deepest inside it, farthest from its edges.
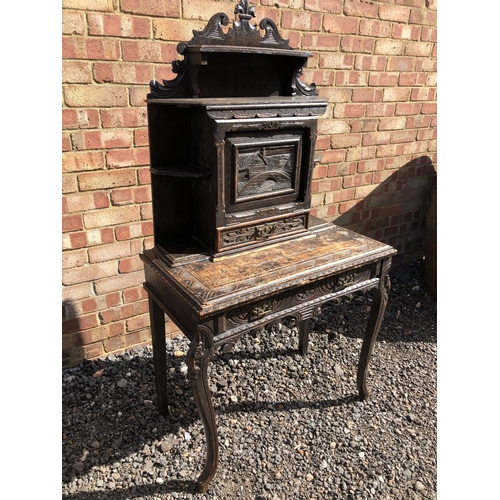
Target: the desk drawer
(272, 229)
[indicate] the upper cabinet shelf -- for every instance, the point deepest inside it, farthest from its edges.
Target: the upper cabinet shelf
(244, 60)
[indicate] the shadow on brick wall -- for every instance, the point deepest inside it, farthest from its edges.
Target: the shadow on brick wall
(394, 211)
(72, 340)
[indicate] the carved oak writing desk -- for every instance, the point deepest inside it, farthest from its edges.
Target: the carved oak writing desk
(232, 149)
(215, 302)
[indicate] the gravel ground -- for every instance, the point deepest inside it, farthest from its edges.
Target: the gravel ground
(290, 427)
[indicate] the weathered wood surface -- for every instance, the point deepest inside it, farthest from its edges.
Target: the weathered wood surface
(216, 285)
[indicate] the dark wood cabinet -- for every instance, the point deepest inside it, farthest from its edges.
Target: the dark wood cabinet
(232, 144)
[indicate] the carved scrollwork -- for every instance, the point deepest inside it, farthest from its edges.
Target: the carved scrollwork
(298, 87)
(263, 308)
(200, 351)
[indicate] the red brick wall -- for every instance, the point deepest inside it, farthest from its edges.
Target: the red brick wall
(375, 63)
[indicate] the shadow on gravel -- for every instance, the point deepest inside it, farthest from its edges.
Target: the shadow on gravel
(137, 491)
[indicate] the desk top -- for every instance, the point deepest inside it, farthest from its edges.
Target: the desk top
(215, 285)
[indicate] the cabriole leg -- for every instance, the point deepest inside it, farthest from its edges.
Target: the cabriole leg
(380, 296)
(198, 358)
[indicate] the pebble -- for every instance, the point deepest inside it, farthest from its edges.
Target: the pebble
(309, 477)
(122, 383)
(419, 486)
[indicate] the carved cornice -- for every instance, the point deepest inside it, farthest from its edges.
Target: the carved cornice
(243, 32)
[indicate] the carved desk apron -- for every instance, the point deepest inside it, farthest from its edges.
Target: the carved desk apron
(215, 302)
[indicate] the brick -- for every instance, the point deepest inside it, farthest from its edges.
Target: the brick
(418, 49)
(366, 95)
(363, 153)
(150, 51)
(360, 8)
(80, 118)
(400, 64)
(379, 29)
(346, 140)
(81, 202)
(84, 96)
(423, 94)
(119, 25)
(394, 13)
(300, 20)
(73, 23)
(104, 253)
(426, 134)
(146, 211)
(130, 264)
(392, 123)
(89, 273)
(417, 147)
(144, 175)
(76, 292)
(90, 48)
(421, 16)
(105, 180)
(124, 117)
(66, 141)
(332, 6)
(351, 78)
(342, 25)
(102, 139)
(72, 223)
(134, 231)
(383, 79)
(69, 184)
(390, 150)
(403, 136)
(376, 138)
(123, 73)
(137, 323)
(162, 8)
(333, 156)
(80, 323)
(119, 282)
(127, 158)
(127, 196)
(111, 217)
(335, 95)
(363, 125)
(141, 138)
(406, 32)
(428, 34)
(101, 5)
(320, 42)
(134, 294)
(357, 44)
(412, 79)
(82, 161)
(357, 180)
(370, 166)
(380, 109)
(389, 47)
(138, 95)
(429, 108)
(370, 63)
(74, 258)
(347, 111)
(418, 121)
(176, 30)
(396, 94)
